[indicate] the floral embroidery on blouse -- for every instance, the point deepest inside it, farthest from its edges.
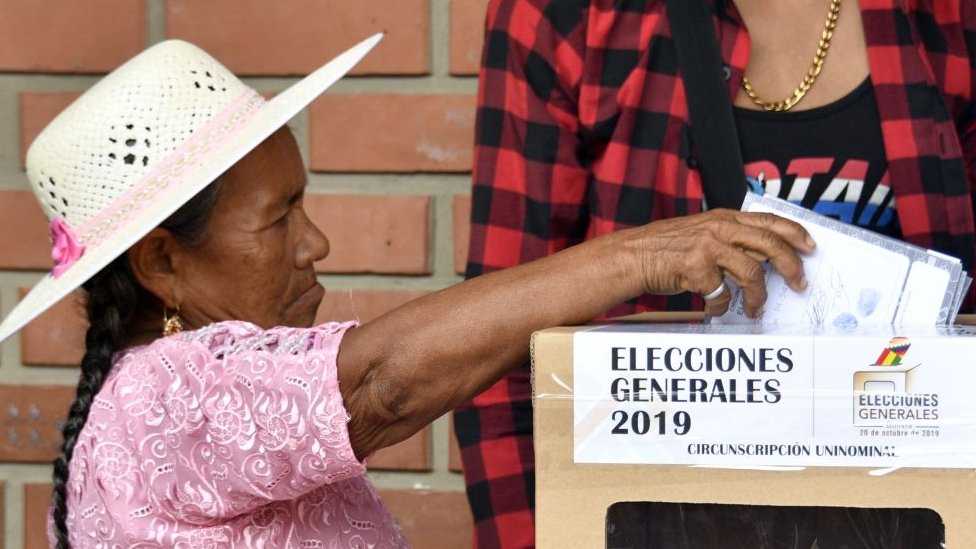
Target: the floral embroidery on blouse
(228, 436)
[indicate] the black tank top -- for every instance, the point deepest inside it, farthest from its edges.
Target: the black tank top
(829, 159)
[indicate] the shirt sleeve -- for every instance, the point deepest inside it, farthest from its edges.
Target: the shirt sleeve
(966, 123)
(529, 185)
(223, 426)
(968, 131)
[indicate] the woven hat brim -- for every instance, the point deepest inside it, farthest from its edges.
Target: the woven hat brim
(267, 120)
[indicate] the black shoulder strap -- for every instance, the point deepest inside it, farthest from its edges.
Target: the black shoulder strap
(712, 125)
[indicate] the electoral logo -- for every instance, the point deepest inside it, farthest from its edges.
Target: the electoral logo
(885, 392)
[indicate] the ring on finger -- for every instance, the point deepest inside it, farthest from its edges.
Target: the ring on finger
(714, 294)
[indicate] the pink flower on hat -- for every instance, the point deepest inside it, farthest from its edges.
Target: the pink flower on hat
(65, 247)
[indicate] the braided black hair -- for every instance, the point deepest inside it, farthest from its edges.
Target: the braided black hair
(114, 297)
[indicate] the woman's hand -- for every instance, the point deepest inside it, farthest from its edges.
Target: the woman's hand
(695, 253)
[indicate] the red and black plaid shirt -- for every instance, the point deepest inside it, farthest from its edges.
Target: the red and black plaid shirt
(582, 130)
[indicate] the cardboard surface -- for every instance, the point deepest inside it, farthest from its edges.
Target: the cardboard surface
(572, 499)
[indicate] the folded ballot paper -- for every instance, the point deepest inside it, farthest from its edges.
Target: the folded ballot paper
(856, 278)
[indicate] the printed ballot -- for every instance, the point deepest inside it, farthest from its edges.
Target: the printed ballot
(856, 278)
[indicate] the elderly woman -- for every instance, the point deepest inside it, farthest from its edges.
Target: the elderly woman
(210, 412)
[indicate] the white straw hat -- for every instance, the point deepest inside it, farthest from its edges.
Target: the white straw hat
(141, 143)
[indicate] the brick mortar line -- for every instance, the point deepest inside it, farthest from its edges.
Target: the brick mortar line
(443, 232)
(40, 375)
(13, 182)
(440, 38)
(425, 283)
(378, 83)
(338, 183)
(155, 21)
(13, 489)
(25, 473)
(10, 280)
(10, 134)
(52, 81)
(440, 456)
(409, 480)
(47, 81)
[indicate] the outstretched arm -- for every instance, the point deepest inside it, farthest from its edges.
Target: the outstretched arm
(403, 370)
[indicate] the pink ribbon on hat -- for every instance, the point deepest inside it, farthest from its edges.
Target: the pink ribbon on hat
(65, 247)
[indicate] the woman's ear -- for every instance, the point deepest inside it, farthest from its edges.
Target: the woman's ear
(151, 261)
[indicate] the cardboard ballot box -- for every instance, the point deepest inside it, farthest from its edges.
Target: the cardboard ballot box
(739, 415)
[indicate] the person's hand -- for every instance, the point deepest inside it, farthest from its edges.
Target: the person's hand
(696, 253)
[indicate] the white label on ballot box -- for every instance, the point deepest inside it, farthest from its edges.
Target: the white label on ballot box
(749, 396)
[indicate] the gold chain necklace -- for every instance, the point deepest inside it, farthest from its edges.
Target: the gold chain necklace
(812, 73)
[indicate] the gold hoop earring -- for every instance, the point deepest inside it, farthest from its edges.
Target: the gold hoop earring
(172, 324)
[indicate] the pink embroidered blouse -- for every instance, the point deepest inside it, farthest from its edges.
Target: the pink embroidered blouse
(228, 436)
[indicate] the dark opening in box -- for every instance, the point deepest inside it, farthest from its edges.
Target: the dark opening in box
(655, 525)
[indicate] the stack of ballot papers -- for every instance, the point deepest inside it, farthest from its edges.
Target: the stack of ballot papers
(856, 278)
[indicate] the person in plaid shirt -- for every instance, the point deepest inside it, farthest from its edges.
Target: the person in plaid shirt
(582, 129)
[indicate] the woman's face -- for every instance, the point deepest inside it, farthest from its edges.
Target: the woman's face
(256, 259)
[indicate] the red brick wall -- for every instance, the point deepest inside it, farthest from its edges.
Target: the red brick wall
(393, 196)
